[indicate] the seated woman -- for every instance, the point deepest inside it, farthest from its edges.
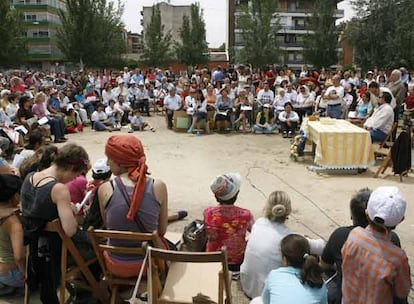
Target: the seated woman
(211, 98)
(134, 201)
(12, 251)
(224, 107)
(304, 103)
(263, 248)
(57, 125)
(288, 120)
(25, 115)
(361, 114)
(200, 110)
(226, 224)
(71, 123)
(299, 280)
(280, 100)
(243, 110)
(44, 198)
(265, 121)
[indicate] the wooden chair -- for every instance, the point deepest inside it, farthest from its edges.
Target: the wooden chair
(189, 274)
(67, 274)
(181, 121)
(98, 239)
(383, 149)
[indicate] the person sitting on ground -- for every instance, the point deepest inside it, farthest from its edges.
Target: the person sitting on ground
(288, 121)
(100, 121)
(114, 113)
(12, 253)
(124, 110)
(71, 124)
(263, 247)
(332, 257)
(381, 121)
(224, 106)
(44, 198)
(374, 269)
(200, 110)
(226, 225)
(138, 123)
(265, 121)
(299, 280)
(172, 103)
(134, 201)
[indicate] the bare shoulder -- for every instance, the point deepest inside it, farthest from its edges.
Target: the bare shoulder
(105, 192)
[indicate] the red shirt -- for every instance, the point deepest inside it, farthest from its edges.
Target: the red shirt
(270, 76)
(409, 102)
(226, 225)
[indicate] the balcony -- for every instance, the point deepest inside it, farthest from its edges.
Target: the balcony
(302, 12)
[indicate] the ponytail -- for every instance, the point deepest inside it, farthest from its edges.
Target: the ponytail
(311, 273)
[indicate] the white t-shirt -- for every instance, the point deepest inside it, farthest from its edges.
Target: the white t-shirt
(265, 97)
(172, 102)
(98, 116)
(339, 93)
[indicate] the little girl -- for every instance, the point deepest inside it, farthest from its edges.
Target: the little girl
(70, 122)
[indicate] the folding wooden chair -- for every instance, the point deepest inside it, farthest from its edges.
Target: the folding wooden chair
(98, 239)
(67, 275)
(189, 274)
(384, 147)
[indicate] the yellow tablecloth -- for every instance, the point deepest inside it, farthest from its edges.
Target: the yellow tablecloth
(341, 145)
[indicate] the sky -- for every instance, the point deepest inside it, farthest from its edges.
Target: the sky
(215, 12)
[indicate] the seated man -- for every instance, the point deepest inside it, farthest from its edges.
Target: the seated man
(381, 121)
(331, 256)
(288, 120)
(171, 103)
(374, 269)
(142, 99)
(265, 121)
(100, 121)
(123, 109)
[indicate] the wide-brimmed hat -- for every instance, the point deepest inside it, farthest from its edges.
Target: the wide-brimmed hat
(226, 186)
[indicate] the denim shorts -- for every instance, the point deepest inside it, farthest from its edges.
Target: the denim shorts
(14, 278)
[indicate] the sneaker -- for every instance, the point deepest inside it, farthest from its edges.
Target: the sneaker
(189, 131)
(290, 134)
(284, 135)
(152, 129)
(130, 130)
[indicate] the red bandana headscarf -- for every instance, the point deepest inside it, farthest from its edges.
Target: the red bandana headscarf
(127, 151)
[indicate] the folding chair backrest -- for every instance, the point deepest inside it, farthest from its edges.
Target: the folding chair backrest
(388, 139)
(188, 257)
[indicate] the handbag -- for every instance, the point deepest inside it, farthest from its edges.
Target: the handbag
(195, 236)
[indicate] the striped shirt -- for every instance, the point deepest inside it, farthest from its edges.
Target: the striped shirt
(374, 269)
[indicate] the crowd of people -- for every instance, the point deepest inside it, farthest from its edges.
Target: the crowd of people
(239, 98)
(364, 262)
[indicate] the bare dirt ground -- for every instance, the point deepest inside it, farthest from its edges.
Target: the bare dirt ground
(187, 164)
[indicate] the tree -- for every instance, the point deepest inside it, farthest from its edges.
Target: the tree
(321, 44)
(157, 43)
(13, 49)
(193, 48)
(259, 33)
(381, 33)
(92, 32)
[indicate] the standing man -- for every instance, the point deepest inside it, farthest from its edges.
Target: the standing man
(334, 96)
(171, 103)
(399, 91)
(265, 95)
(374, 269)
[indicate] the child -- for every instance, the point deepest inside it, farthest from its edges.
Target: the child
(138, 123)
(71, 124)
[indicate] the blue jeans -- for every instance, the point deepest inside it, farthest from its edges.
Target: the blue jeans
(334, 111)
(99, 126)
(268, 130)
(377, 135)
(14, 278)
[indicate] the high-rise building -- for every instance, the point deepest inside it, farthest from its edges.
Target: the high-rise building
(293, 27)
(42, 20)
(171, 17)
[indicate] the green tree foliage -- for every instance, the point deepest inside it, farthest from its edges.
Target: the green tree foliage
(12, 49)
(381, 33)
(193, 48)
(157, 42)
(259, 33)
(92, 32)
(321, 45)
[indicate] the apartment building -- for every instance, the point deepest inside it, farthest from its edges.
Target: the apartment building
(171, 17)
(42, 20)
(291, 32)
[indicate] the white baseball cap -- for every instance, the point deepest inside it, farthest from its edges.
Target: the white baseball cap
(101, 166)
(226, 186)
(386, 206)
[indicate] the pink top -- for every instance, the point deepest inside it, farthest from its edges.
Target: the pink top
(39, 110)
(226, 225)
(77, 188)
